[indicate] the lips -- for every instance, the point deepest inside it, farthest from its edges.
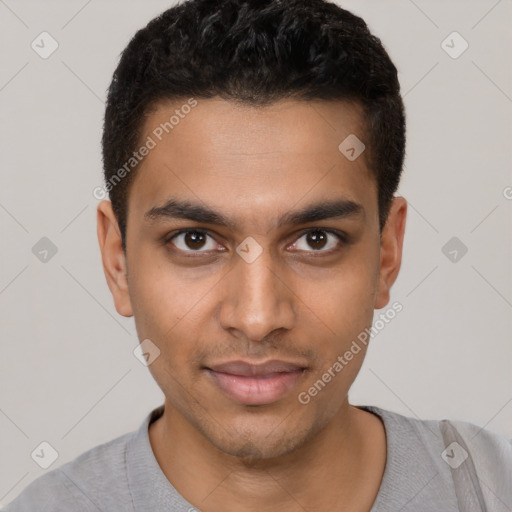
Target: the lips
(256, 384)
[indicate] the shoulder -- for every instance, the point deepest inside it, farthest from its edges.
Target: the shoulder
(489, 453)
(473, 435)
(482, 444)
(87, 483)
(470, 456)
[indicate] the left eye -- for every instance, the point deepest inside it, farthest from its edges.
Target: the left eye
(318, 240)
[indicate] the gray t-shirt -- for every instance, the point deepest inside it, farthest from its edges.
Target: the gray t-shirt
(429, 468)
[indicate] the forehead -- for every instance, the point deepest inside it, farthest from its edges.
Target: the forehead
(250, 162)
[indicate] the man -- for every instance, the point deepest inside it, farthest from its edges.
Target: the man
(252, 150)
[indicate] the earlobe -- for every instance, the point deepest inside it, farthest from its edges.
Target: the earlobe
(391, 250)
(113, 257)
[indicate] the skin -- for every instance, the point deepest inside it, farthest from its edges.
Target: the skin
(292, 303)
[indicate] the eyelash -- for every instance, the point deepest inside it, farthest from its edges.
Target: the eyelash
(342, 237)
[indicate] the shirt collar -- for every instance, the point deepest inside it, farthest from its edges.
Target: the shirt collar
(149, 486)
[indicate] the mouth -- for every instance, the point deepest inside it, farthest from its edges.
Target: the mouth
(256, 384)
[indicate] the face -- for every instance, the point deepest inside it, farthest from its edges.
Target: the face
(253, 262)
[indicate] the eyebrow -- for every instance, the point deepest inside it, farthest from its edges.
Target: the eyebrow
(329, 209)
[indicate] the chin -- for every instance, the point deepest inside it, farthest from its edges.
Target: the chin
(250, 444)
(255, 450)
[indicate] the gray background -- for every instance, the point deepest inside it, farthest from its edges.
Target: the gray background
(68, 373)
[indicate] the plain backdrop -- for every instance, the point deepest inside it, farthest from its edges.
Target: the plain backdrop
(68, 373)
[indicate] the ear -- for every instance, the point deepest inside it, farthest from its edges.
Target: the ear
(113, 258)
(391, 250)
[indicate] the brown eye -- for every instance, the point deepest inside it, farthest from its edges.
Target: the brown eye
(192, 241)
(318, 240)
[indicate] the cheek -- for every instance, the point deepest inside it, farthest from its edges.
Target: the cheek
(163, 298)
(166, 311)
(174, 311)
(341, 309)
(343, 300)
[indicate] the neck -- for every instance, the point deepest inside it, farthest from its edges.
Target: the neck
(343, 463)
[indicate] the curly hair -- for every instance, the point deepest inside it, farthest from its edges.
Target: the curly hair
(255, 52)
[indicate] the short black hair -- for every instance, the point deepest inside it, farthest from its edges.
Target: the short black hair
(255, 52)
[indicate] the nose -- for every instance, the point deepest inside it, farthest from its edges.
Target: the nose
(256, 299)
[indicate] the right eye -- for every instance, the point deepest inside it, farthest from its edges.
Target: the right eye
(192, 240)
